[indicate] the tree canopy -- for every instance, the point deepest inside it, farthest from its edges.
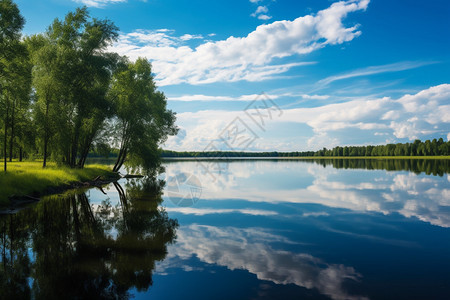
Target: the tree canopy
(74, 95)
(142, 120)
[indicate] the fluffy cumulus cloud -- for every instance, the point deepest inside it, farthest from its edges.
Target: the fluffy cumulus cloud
(423, 115)
(98, 3)
(241, 58)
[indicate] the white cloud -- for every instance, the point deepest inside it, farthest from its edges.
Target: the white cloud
(261, 13)
(423, 115)
(264, 17)
(315, 97)
(261, 9)
(219, 98)
(396, 67)
(98, 3)
(241, 58)
(187, 37)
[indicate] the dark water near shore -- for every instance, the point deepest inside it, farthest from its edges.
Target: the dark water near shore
(337, 229)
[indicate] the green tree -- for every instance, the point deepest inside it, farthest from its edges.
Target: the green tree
(47, 110)
(19, 93)
(76, 71)
(142, 119)
(346, 151)
(11, 51)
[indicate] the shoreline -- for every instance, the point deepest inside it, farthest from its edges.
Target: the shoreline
(27, 181)
(19, 202)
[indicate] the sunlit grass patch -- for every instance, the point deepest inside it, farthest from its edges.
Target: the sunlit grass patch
(24, 178)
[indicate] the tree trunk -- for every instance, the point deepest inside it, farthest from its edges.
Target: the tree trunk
(123, 147)
(85, 149)
(46, 133)
(75, 141)
(11, 139)
(20, 154)
(6, 135)
(120, 160)
(44, 164)
(83, 157)
(119, 157)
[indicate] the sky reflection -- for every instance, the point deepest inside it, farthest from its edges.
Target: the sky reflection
(331, 233)
(424, 197)
(250, 249)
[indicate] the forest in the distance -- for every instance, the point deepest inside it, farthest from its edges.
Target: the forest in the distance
(417, 148)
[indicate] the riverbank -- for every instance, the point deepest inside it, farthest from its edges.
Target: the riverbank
(30, 180)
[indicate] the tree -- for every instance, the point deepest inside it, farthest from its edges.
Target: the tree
(72, 73)
(11, 49)
(142, 120)
(346, 151)
(46, 115)
(11, 24)
(19, 92)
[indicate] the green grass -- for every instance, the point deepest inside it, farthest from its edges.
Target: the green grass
(25, 178)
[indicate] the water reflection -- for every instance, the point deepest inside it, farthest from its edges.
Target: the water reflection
(387, 192)
(65, 247)
(263, 229)
(312, 230)
(417, 166)
(250, 249)
(428, 166)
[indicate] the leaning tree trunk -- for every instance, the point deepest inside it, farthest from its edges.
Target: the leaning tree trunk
(120, 160)
(86, 146)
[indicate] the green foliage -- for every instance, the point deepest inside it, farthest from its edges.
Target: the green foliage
(72, 74)
(142, 121)
(63, 95)
(14, 78)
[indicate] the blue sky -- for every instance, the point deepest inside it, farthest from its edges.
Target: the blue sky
(320, 73)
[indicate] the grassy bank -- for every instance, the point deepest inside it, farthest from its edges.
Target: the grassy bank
(26, 178)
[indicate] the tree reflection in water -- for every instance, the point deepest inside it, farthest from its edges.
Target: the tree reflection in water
(65, 247)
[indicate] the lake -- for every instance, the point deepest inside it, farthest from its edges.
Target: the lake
(243, 229)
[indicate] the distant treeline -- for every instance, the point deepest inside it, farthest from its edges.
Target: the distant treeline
(417, 148)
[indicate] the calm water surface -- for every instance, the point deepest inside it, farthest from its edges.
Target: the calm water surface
(240, 230)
